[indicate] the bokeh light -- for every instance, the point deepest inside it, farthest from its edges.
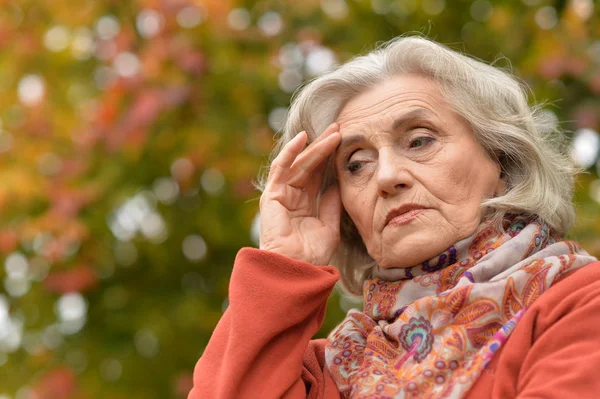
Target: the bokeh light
(31, 90)
(149, 23)
(212, 181)
(71, 310)
(111, 370)
(270, 23)
(166, 189)
(194, 247)
(433, 7)
(481, 10)
(83, 44)
(336, 9)
(277, 118)
(190, 17)
(546, 17)
(107, 27)
(320, 59)
(239, 19)
(583, 8)
(586, 145)
(146, 343)
(127, 64)
(56, 38)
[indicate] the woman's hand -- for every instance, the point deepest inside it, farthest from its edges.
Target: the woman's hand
(289, 223)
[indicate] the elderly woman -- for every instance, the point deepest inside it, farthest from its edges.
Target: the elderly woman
(442, 198)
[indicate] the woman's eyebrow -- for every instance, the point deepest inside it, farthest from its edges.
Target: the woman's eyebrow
(398, 123)
(349, 141)
(409, 117)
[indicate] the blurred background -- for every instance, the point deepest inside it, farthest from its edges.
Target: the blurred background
(131, 132)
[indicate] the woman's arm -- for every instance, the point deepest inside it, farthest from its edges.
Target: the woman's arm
(276, 305)
(277, 297)
(564, 360)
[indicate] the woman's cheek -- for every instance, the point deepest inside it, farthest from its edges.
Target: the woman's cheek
(354, 205)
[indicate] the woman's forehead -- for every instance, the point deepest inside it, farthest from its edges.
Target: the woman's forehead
(391, 99)
(353, 134)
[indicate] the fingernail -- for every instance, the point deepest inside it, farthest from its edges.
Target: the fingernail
(298, 135)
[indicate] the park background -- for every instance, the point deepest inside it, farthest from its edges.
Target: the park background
(130, 135)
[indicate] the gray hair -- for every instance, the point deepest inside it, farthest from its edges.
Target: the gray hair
(525, 140)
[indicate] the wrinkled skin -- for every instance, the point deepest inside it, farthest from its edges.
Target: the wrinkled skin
(430, 158)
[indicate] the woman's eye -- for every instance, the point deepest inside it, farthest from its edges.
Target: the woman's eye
(353, 166)
(420, 141)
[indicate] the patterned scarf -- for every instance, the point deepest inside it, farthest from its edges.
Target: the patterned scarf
(430, 330)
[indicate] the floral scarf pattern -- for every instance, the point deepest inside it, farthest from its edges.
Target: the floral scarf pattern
(430, 330)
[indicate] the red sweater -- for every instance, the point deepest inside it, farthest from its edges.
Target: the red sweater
(262, 346)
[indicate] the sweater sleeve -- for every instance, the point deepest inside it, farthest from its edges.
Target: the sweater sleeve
(564, 360)
(260, 347)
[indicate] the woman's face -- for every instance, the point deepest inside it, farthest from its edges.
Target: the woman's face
(411, 174)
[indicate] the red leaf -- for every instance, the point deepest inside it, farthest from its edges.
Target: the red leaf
(56, 384)
(80, 279)
(8, 241)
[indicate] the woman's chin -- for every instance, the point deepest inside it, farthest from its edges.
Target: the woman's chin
(410, 251)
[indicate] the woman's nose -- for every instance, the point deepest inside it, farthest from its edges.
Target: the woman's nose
(393, 175)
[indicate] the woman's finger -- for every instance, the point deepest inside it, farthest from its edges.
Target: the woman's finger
(286, 157)
(294, 147)
(305, 164)
(330, 129)
(330, 208)
(313, 185)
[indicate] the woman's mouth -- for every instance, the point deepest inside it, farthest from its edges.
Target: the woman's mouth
(405, 218)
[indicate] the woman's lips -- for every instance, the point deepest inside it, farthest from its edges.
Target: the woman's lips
(406, 217)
